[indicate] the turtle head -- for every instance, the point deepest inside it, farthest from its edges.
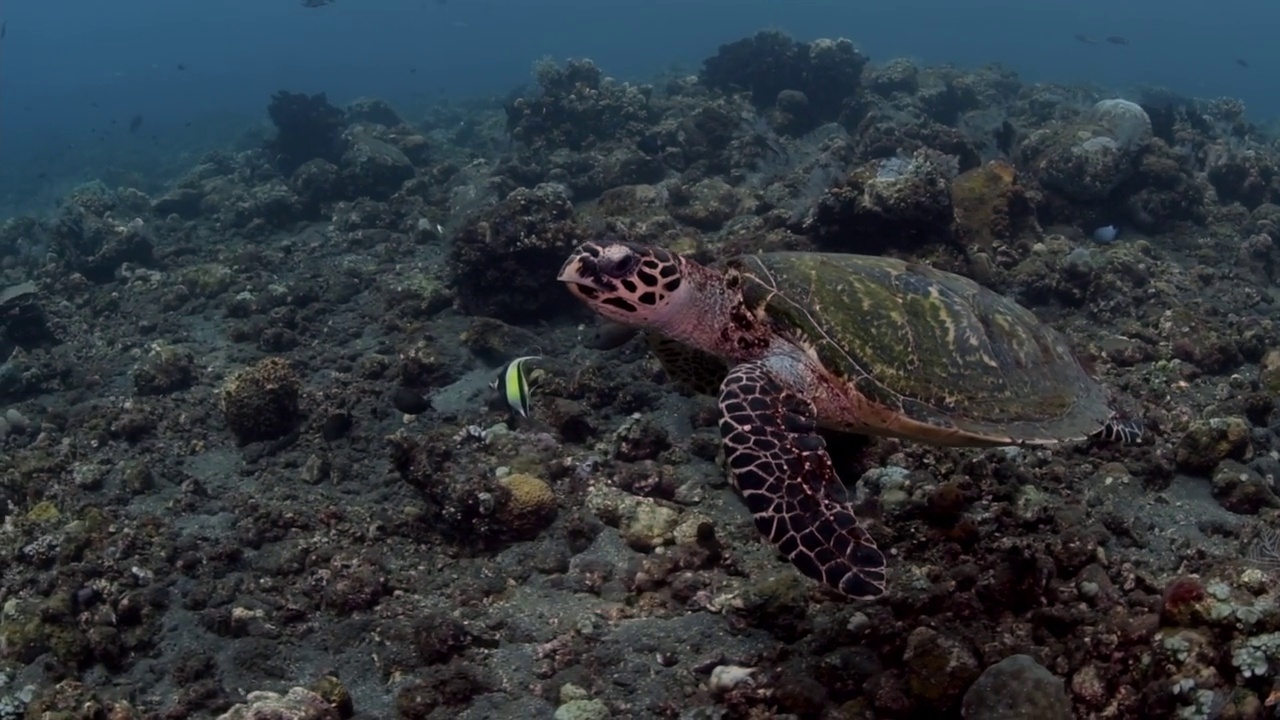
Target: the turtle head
(627, 283)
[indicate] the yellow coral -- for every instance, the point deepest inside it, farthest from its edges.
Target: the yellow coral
(43, 512)
(531, 505)
(990, 205)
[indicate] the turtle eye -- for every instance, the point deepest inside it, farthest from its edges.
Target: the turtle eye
(618, 266)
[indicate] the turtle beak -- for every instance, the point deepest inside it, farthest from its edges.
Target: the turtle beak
(571, 271)
(582, 273)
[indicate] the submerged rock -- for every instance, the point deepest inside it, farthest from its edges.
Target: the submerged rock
(297, 704)
(373, 168)
(1126, 122)
(22, 319)
(373, 110)
(1017, 688)
(1209, 442)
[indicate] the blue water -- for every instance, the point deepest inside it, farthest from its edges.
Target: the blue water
(61, 57)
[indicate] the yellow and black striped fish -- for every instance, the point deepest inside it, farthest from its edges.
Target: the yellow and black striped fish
(514, 385)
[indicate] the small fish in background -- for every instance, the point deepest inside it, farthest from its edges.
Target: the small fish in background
(135, 123)
(1081, 37)
(1117, 40)
(1242, 63)
(1106, 234)
(4, 28)
(513, 384)
(182, 66)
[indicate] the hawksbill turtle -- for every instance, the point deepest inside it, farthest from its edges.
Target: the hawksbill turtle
(791, 341)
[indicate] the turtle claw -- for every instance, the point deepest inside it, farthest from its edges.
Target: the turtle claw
(1121, 430)
(780, 467)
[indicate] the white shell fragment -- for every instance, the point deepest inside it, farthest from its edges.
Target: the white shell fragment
(727, 677)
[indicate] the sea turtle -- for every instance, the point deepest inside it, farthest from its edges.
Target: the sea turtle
(792, 341)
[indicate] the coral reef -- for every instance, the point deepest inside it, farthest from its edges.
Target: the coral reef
(516, 246)
(1088, 160)
(249, 443)
(307, 128)
(576, 108)
(805, 84)
(895, 204)
(260, 402)
(89, 238)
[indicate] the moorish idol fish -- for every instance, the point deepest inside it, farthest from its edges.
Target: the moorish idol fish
(514, 385)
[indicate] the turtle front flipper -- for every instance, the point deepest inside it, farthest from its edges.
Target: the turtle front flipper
(780, 467)
(700, 371)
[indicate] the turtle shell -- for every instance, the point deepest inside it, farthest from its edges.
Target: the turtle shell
(928, 355)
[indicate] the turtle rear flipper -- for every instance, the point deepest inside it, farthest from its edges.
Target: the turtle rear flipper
(1121, 430)
(780, 467)
(701, 371)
